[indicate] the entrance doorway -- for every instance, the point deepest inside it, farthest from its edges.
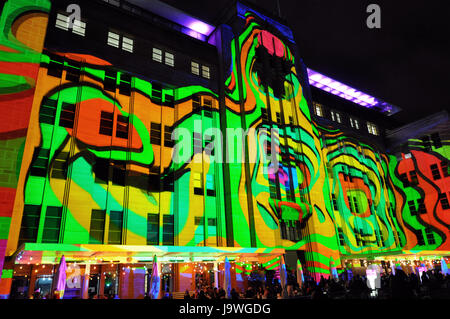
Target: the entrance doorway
(19, 287)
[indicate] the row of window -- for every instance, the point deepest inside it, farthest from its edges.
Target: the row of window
(337, 117)
(52, 225)
(126, 43)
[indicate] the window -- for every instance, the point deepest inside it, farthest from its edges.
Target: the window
(198, 144)
(114, 40)
(420, 239)
(413, 176)
(168, 230)
(106, 123)
(195, 68)
(210, 189)
(318, 109)
(372, 129)
(278, 116)
(426, 143)
(168, 142)
(335, 116)
(52, 225)
(115, 227)
(412, 207)
(97, 227)
(442, 197)
(341, 237)
(196, 103)
(127, 44)
(63, 23)
(40, 162)
(430, 236)
(110, 80)
(212, 231)
(125, 84)
(155, 133)
(67, 116)
(334, 200)
(101, 170)
(157, 55)
(445, 169)
(152, 229)
(264, 115)
(73, 71)
(169, 59)
(198, 220)
(55, 65)
(197, 183)
(30, 224)
(119, 172)
(205, 72)
(435, 172)
(422, 208)
(354, 123)
(122, 127)
(48, 111)
(59, 169)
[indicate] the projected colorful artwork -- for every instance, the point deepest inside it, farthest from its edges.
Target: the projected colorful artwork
(92, 159)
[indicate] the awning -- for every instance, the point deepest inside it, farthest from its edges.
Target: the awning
(32, 253)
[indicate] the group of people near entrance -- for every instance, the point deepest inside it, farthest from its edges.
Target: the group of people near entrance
(432, 284)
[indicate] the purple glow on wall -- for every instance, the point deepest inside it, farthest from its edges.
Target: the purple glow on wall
(328, 84)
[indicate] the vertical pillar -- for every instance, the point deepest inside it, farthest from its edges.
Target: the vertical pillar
(216, 274)
(101, 285)
(85, 282)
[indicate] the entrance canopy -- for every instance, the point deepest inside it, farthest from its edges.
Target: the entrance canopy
(33, 253)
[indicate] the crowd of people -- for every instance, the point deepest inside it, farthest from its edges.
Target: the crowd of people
(432, 284)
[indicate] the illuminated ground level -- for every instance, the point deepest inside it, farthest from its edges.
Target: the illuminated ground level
(124, 271)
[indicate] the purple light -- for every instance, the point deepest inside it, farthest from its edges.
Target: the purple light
(337, 88)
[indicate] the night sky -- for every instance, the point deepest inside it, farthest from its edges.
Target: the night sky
(405, 63)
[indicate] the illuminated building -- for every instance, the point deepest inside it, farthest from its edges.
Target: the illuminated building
(87, 153)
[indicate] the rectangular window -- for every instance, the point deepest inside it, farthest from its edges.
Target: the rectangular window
(168, 230)
(420, 239)
(30, 224)
(435, 172)
(152, 229)
(196, 103)
(119, 172)
(198, 220)
(101, 170)
(73, 71)
(422, 209)
(97, 227)
(341, 237)
(169, 59)
(333, 116)
(67, 116)
(157, 92)
(55, 65)
(113, 39)
(430, 236)
(413, 176)
(155, 133)
(210, 188)
(157, 55)
(412, 207)
(334, 200)
(278, 116)
(79, 27)
(59, 169)
(127, 44)
(195, 68)
(115, 228)
(122, 127)
(426, 142)
(205, 72)
(125, 84)
(198, 144)
(110, 81)
(354, 123)
(52, 225)
(168, 142)
(197, 183)
(48, 111)
(40, 162)
(264, 115)
(283, 229)
(445, 169)
(338, 117)
(62, 21)
(318, 109)
(106, 123)
(442, 197)
(372, 128)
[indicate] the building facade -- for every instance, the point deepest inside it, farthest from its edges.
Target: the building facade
(171, 137)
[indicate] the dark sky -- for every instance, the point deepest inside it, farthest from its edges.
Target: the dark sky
(405, 63)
